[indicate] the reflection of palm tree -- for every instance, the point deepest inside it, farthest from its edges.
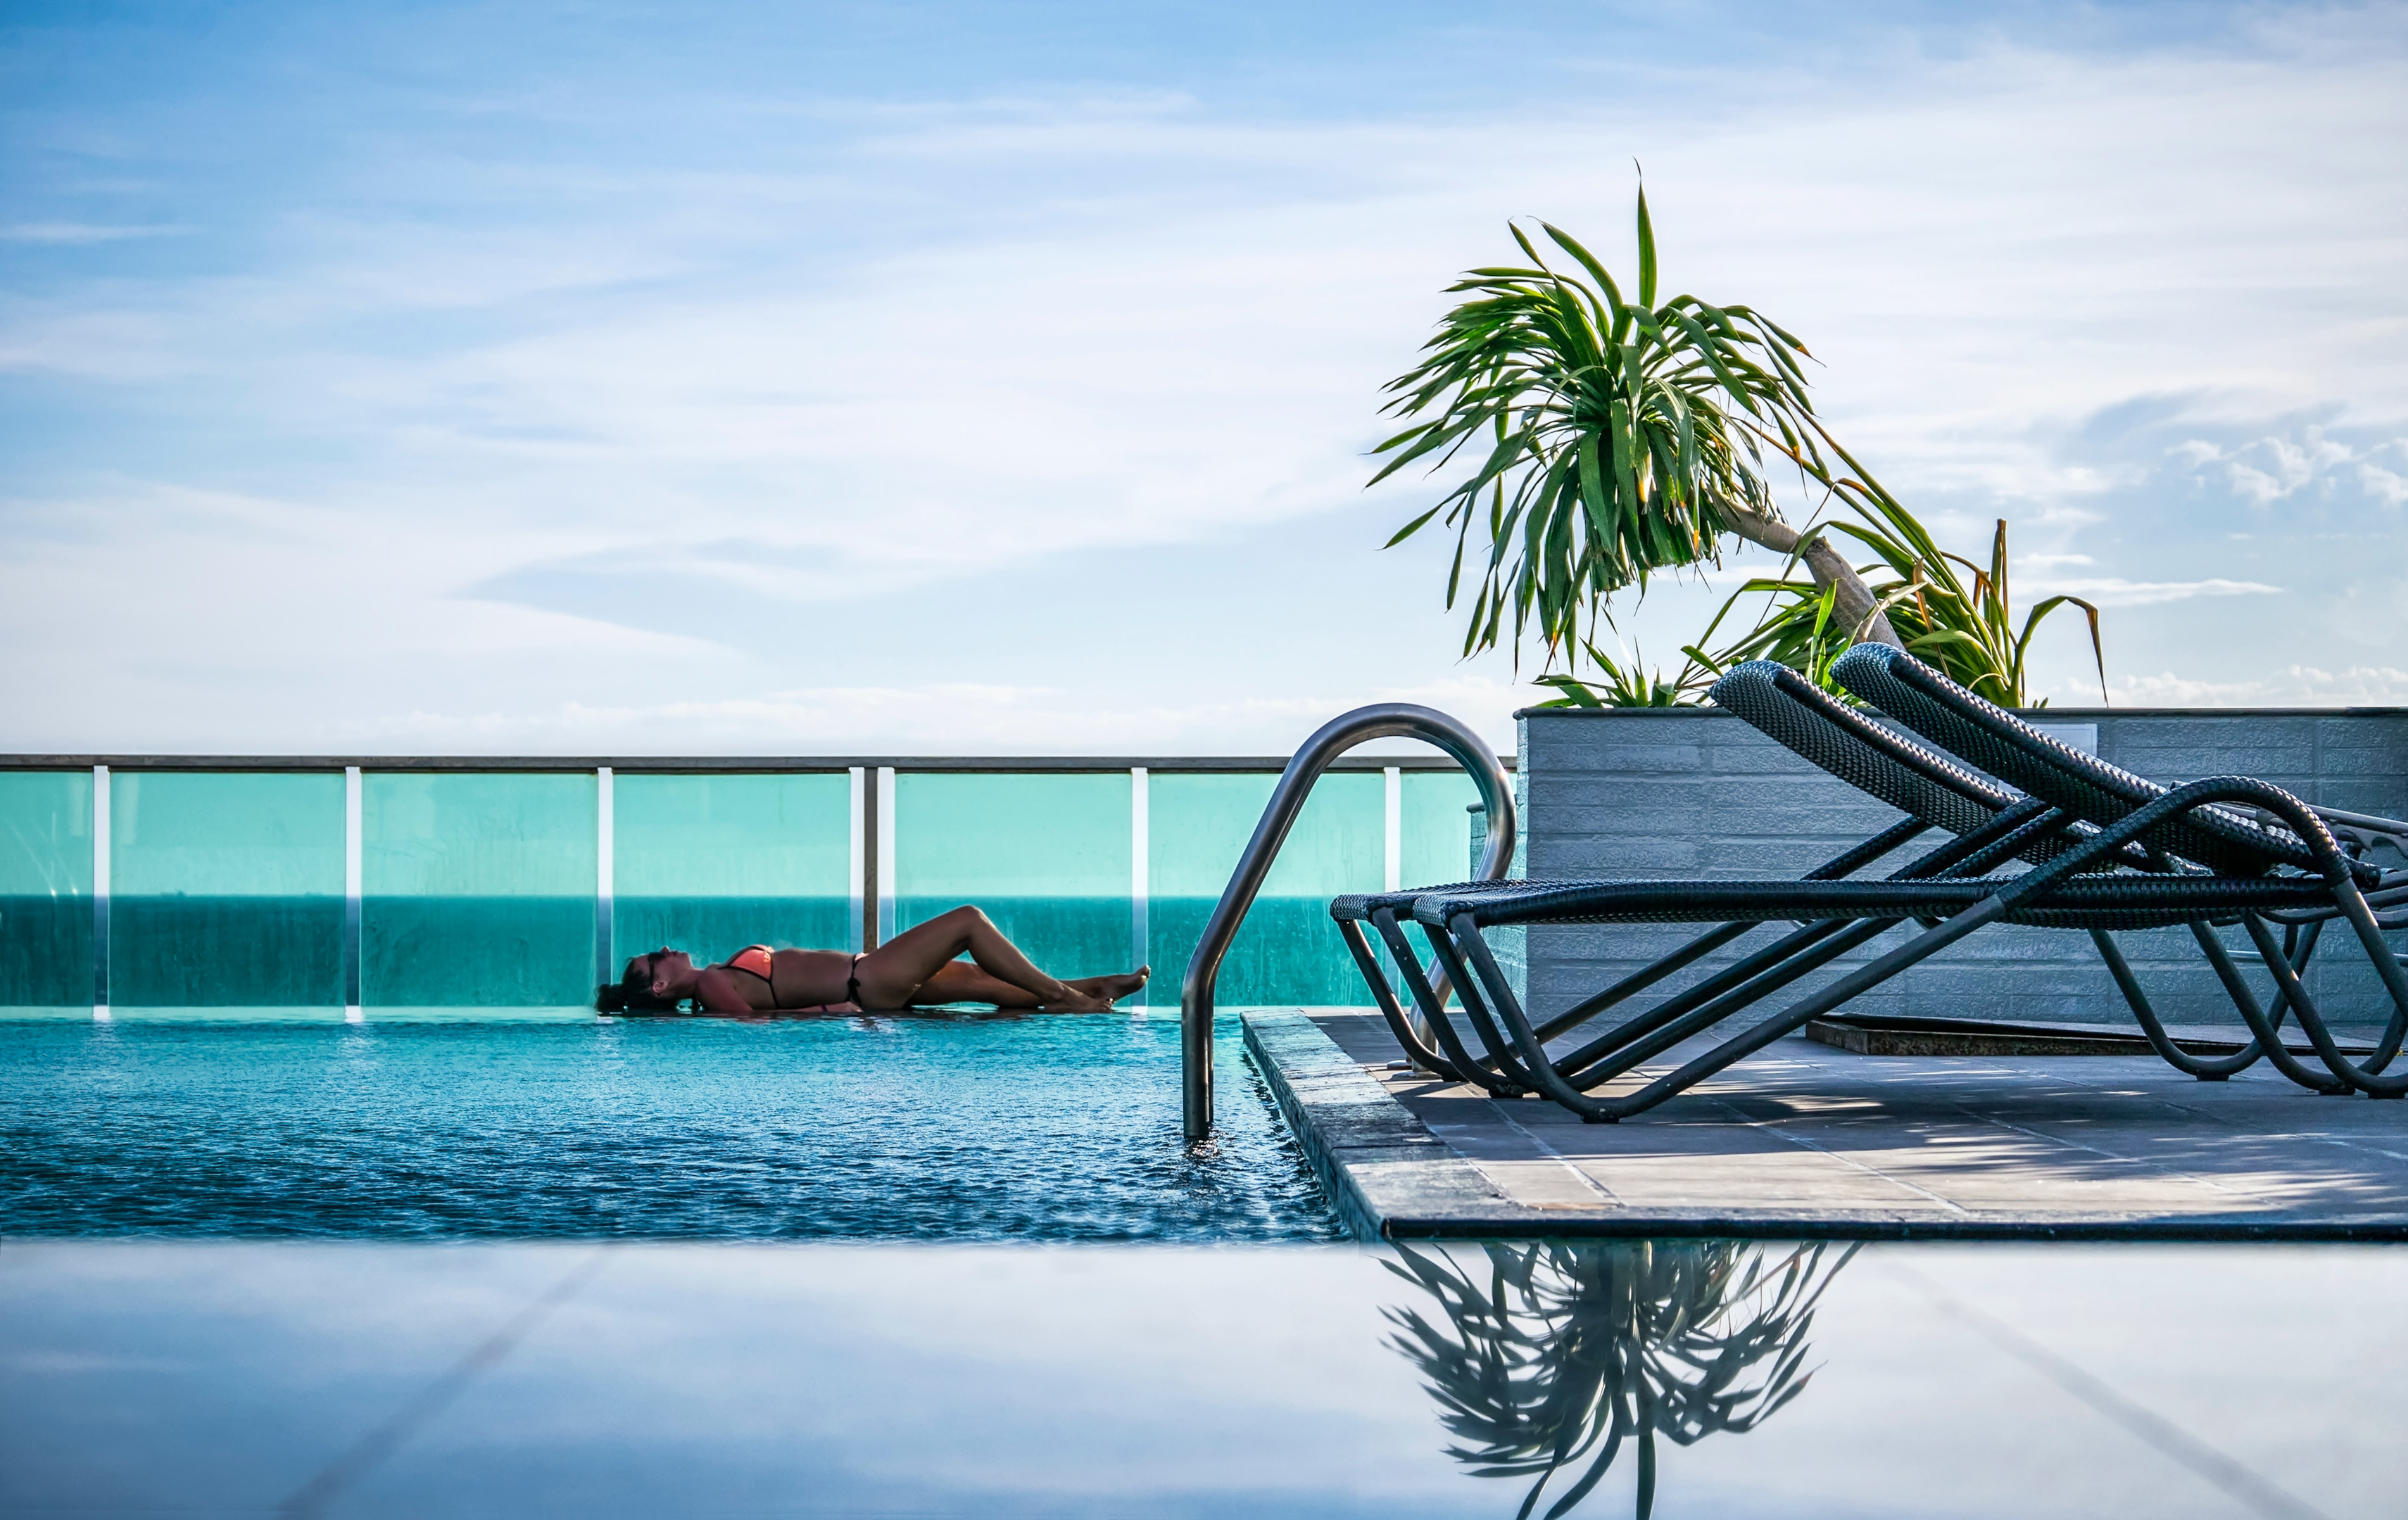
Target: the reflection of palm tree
(1571, 1347)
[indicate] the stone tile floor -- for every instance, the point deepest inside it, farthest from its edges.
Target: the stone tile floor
(1806, 1137)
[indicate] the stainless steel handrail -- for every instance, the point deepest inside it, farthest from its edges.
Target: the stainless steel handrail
(1381, 720)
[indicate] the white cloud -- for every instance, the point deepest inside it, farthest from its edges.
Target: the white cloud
(2282, 467)
(2297, 685)
(2114, 591)
(2385, 486)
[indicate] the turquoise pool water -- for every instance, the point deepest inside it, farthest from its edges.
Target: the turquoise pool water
(922, 1128)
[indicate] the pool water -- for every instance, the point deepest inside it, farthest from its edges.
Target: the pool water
(919, 1128)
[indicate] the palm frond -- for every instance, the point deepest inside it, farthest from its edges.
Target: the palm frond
(1569, 1351)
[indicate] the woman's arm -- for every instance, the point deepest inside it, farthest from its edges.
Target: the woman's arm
(718, 992)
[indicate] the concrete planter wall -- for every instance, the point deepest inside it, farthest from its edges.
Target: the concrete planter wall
(1639, 793)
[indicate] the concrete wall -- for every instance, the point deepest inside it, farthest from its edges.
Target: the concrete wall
(1698, 793)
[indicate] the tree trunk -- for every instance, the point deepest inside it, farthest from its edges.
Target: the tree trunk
(1854, 608)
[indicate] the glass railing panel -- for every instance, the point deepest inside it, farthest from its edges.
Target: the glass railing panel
(225, 891)
(1288, 952)
(477, 891)
(46, 892)
(1046, 855)
(1436, 837)
(710, 864)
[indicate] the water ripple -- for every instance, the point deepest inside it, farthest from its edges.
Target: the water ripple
(1049, 1129)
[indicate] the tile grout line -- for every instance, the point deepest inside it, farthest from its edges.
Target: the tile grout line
(2157, 1167)
(2208, 1115)
(1803, 1143)
(2234, 1478)
(362, 1456)
(1560, 1159)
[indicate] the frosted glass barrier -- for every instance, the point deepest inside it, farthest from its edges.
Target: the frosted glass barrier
(1047, 857)
(46, 891)
(477, 891)
(1436, 844)
(225, 891)
(710, 864)
(1288, 952)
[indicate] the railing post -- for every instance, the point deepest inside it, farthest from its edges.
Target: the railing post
(100, 890)
(1141, 865)
(605, 872)
(353, 1005)
(1382, 719)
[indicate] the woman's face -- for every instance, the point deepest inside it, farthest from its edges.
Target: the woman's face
(665, 968)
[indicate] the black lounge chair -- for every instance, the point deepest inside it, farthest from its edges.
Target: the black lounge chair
(1987, 823)
(2087, 874)
(1933, 792)
(2216, 842)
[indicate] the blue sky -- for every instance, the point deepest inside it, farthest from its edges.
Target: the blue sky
(998, 379)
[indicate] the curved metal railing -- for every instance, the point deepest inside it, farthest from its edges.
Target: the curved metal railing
(1381, 720)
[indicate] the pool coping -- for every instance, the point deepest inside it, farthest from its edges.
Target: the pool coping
(1389, 1177)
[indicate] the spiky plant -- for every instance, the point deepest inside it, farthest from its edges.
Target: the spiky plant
(1636, 687)
(1968, 631)
(1619, 438)
(1571, 1349)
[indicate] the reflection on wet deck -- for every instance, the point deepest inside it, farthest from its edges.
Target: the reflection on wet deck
(1595, 1377)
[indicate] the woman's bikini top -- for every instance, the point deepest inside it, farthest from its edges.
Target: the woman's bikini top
(758, 959)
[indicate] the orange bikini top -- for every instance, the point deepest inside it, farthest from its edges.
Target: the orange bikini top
(756, 959)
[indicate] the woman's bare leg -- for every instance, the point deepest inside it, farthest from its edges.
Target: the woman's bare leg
(958, 982)
(896, 971)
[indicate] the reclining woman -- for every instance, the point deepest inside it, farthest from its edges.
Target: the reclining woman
(914, 968)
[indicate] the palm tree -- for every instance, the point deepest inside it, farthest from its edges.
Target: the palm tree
(1569, 1349)
(1625, 437)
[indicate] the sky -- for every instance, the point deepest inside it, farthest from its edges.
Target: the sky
(898, 379)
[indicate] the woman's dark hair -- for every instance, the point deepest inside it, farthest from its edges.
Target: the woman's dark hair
(633, 991)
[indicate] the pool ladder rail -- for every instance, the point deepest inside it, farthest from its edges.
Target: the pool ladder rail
(1381, 720)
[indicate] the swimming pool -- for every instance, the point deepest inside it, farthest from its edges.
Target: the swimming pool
(916, 1128)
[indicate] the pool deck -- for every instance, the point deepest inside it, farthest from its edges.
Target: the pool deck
(1806, 1140)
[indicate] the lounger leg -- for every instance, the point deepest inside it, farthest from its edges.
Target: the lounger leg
(2236, 987)
(1475, 1008)
(1402, 1027)
(1607, 1110)
(1495, 1074)
(2318, 1035)
(2206, 1069)
(2387, 966)
(1734, 987)
(1639, 981)
(1715, 999)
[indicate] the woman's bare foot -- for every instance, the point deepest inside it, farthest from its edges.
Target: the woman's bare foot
(1096, 993)
(1111, 989)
